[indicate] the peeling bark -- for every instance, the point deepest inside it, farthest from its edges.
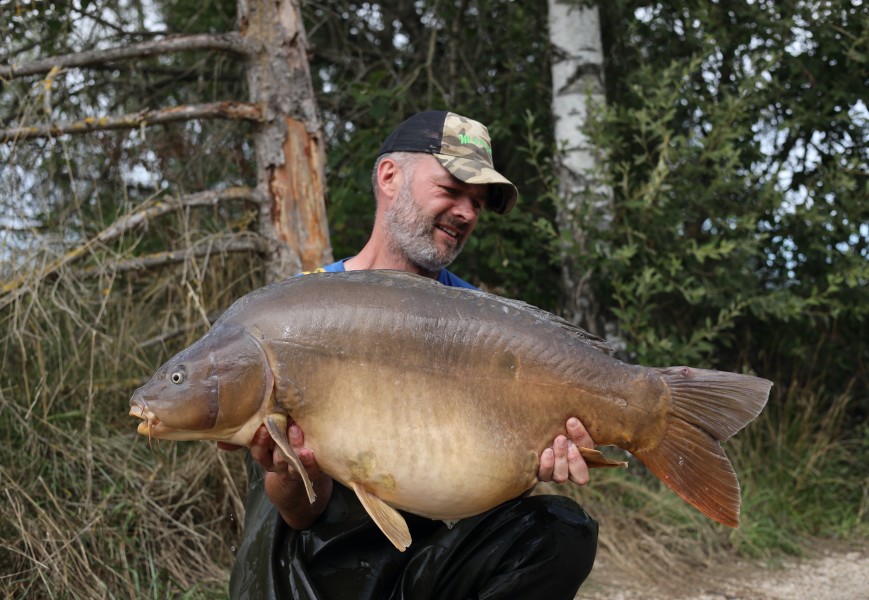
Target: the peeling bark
(290, 145)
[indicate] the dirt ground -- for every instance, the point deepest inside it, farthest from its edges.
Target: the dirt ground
(833, 571)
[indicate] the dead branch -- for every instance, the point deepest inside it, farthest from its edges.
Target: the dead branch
(125, 223)
(247, 242)
(164, 337)
(230, 42)
(211, 110)
(162, 207)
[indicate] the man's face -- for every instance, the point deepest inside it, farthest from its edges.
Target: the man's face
(433, 215)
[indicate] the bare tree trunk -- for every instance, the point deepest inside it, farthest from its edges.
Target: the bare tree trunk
(290, 146)
(577, 82)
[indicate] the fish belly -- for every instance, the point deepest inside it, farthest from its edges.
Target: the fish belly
(418, 442)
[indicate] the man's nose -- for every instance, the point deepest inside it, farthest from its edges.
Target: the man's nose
(466, 208)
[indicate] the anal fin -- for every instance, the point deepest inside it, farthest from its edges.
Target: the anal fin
(279, 435)
(595, 459)
(389, 520)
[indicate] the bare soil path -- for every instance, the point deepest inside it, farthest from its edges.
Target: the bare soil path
(832, 571)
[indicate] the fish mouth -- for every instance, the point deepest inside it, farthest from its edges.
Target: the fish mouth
(151, 424)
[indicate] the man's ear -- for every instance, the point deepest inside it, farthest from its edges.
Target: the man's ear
(389, 178)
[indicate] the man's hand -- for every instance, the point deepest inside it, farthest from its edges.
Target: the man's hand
(283, 485)
(563, 461)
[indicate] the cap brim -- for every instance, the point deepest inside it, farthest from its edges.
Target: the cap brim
(503, 194)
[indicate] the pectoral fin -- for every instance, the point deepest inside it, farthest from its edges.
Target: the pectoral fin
(595, 459)
(279, 435)
(389, 520)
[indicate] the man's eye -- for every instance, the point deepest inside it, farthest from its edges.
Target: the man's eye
(450, 191)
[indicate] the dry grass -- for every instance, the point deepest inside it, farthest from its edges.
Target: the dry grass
(88, 509)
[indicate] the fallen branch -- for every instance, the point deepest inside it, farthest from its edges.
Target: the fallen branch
(162, 207)
(211, 110)
(230, 42)
(164, 337)
(126, 223)
(230, 243)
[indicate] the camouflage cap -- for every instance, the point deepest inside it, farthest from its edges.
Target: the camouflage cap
(461, 145)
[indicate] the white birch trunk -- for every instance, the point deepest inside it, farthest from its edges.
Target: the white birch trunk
(577, 84)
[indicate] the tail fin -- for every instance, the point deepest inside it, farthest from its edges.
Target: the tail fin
(708, 407)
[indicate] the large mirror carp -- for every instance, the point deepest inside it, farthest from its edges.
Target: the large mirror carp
(439, 400)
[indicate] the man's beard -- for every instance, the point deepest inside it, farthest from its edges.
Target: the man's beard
(412, 234)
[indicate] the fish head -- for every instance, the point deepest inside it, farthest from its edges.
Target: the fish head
(211, 390)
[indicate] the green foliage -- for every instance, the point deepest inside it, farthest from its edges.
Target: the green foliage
(735, 143)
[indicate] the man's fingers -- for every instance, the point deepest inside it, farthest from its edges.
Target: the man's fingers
(547, 463)
(297, 438)
(261, 448)
(578, 434)
(560, 472)
(306, 456)
(580, 438)
(576, 465)
(563, 461)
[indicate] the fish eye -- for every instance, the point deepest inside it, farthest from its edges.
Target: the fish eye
(178, 377)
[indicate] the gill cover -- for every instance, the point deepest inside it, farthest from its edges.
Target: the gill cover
(213, 386)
